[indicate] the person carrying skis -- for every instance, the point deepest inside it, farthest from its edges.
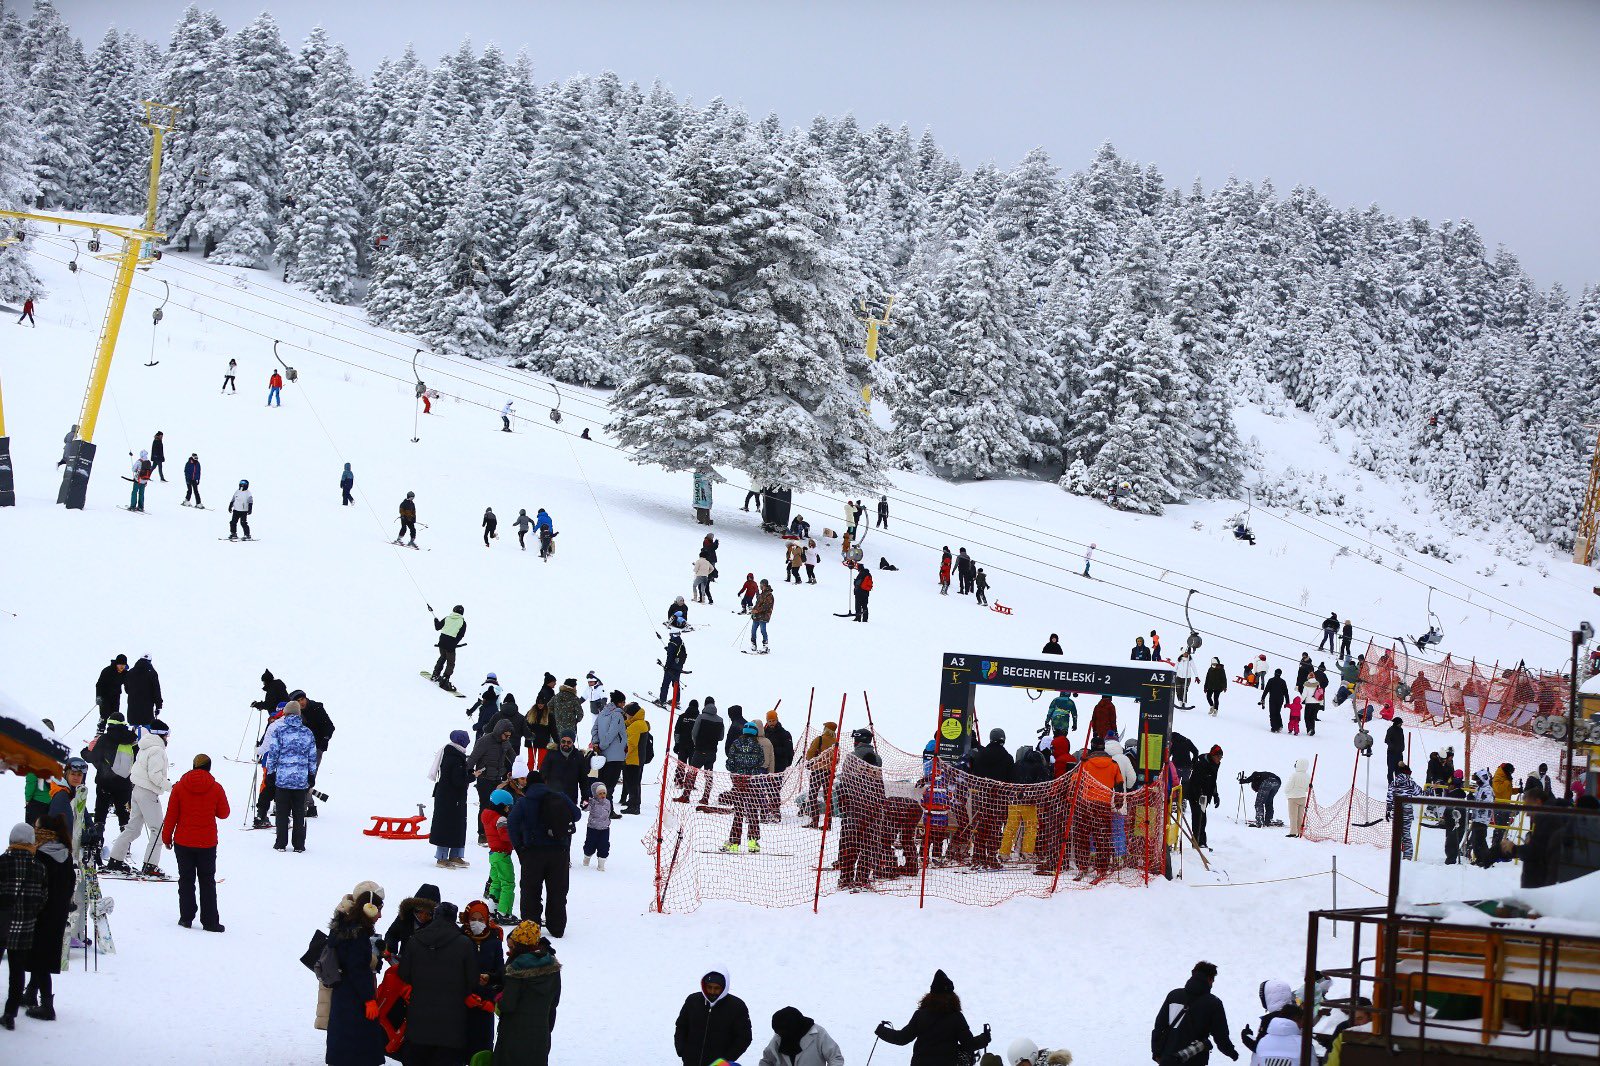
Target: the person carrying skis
(944, 572)
(1273, 696)
(452, 629)
(672, 667)
(1265, 784)
(863, 587)
(239, 509)
(347, 481)
(191, 481)
(408, 519)
(228, 384)
(490, 524)
(275, 390)
(523, 524)
(760, 615)
(141, 477)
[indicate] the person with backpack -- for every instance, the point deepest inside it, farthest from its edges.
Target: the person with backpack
(541, 827)
(240, 508)
(275, 390)
(641, 752)
(547, 534)
(863, 588)
(408, 519)
(745, 761)
(141, 477)
(1190, 1021)
(112, 758)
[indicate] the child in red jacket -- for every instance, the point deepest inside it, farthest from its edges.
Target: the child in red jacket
(1295, 706)
(747, 593)
(502, 874)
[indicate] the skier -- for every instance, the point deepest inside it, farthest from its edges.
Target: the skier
(191, 481)
(141, 477)
(523, 524)
(1088, 557)
(347, 481)
(980, 586)
(452, 629)
(863, 587)
(963, 572)
(706, 737)
(27, 313)
(1192, 1017)
(1330, 629)
(1062, 716)
(239, 508)
(149, 779)
(505, 417)
(938, 1028)
(158, 455)
(1273, 696)
(228, 384)
(672, 668)
(547, 534)
(747, 593)
(1216, 684)
(275, 389)
(112, 755)
(745, 761)
(1265, 784)
(408, 519)
(760, 615)
(712, 1025)
(490, 524)
(1346, 635)
(944, 571)
(883, 512)
(190, 829)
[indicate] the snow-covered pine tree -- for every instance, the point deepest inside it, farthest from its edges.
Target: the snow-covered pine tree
(18, 189)
(565, 283)
(241, 208)
(56, 72)
(1028, 219)
(115, 178)
(411, 203)
(193, 77)
(323, 198)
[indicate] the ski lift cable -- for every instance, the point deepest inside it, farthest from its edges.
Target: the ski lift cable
(490, 407)
(155, 320)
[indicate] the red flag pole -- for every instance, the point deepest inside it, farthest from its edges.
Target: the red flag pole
(661, 810)
(827, 810)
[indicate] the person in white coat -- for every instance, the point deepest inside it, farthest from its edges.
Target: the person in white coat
(1280, 1044)
(799, 1041)
(239, 508)
(595, 692)
(1024, 1052)
(702, 580)
(150, 783)
(1299, 788)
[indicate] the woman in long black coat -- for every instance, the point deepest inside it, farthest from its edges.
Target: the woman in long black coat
(937, 1028)
(448, 833)
(50, 928)
(1216, 683)
(353, 1038)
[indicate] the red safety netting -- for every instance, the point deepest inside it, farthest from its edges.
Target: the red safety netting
(836, 822)
(1448, 693)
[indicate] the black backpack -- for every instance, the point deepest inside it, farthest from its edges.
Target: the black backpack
(555, 817)
(647, 748)
(744, 755)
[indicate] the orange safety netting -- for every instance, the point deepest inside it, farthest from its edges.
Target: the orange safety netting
(838, 823)
(1449, 693)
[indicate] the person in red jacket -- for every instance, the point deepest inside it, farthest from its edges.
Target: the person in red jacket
(1104, 718)
(748, 593)
(275, 390)
(198, 803)
(27, 313)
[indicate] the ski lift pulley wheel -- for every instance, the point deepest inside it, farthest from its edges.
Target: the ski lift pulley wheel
(94, 242)
(1194, 641)
(1362, 740)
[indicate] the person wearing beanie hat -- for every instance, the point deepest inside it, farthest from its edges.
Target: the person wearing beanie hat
(143, 686)
(414, 912)
(24, 891)
(937, 1028)
(291, 755)
(799, 1040)
(492, 822)
(149, 778)
(108, 688)
(566, 707)
(349, 1009)
(488, 945)
(440, 964)
(782, 742)
(641, 749)
(452, 630)
(530, 989)
(448, 830)
(712, 1024)
(190, 829)
(1453, 820)
(597, 834)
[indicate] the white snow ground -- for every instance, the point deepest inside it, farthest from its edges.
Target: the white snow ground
(323, 602)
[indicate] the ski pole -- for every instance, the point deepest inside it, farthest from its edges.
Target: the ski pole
(874, 1050)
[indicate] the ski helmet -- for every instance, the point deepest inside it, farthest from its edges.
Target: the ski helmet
(458, 609)
(862, 735)
(243, 484)
(997, 736)
(76, 765)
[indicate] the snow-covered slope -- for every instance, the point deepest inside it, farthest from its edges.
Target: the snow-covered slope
(323, 601)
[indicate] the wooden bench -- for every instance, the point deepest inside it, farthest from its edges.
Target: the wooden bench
(1574, 983)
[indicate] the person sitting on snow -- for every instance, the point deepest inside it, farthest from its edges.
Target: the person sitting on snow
(1024, 1052)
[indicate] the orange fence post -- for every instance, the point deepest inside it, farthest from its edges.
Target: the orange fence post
(827, 808)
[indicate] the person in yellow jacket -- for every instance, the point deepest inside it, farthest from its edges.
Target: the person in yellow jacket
(1505, 787)
(633, 765)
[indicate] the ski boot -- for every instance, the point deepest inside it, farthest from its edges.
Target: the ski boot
(150, 869)
(261, 823)
(755, 847)
(730, 849)
(117, 866)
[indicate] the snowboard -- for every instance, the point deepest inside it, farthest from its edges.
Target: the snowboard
(457, 693)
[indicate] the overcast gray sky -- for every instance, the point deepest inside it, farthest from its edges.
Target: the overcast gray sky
(1481, 109)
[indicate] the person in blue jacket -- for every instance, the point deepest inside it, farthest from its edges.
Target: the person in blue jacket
(347, 481)
(545, 854)
(291, 756)
(547, 533)
(191, 481)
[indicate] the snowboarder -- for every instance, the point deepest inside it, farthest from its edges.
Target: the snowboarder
(158, 455)
(760, 615)
(490, 524)
(980, 586)
(712, 1025)
(1192, 1017)
(452, 629)
(523, 524)
(228, 384)
(141, 477)
(745, 761)
(505, 417)
(191, 481)
(239, 509)
(408, 518)
(883, 512)
(190, 829)
(672, 667)
(149, 779)
(27, 313)
(863, 588)
(944, 571)
(1265, 784)
(347, 481)
(275, 389)
(937, 1027)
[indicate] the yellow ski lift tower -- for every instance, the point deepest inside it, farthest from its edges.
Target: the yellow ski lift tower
(873, 325)
(160, 120)
(1589, 523)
